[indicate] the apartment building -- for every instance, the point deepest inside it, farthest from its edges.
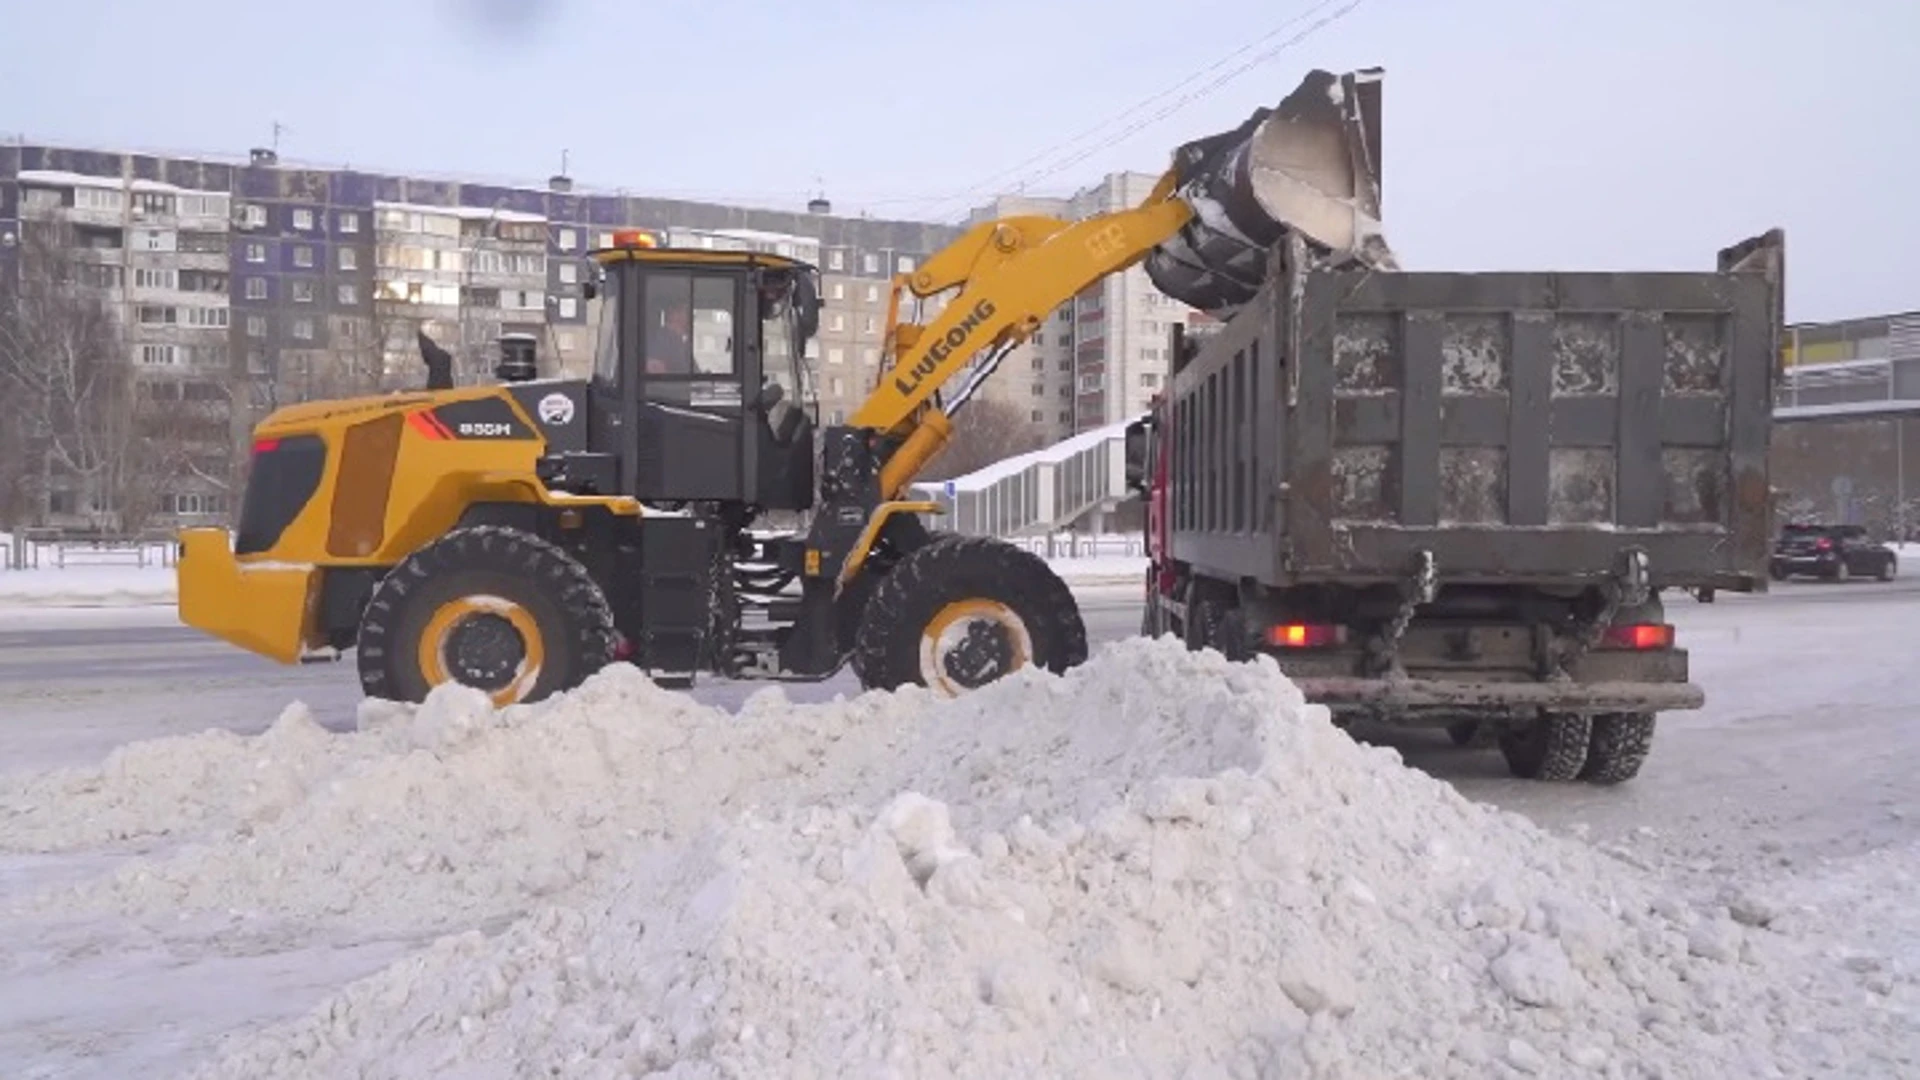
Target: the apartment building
(262, 283)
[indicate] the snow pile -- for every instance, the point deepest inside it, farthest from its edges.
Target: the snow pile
(1159, 865)
(168, 788)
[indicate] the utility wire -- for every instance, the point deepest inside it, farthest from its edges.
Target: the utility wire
(1181, 102)
(1131, 110)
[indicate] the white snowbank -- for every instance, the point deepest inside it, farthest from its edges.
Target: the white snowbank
(1159, 865)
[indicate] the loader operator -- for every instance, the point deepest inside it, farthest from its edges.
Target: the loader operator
(670, 341)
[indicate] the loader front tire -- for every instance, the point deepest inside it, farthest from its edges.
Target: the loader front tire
(488, 606)
(964, 611)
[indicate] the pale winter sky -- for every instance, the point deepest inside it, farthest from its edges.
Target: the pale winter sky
(1519, 134)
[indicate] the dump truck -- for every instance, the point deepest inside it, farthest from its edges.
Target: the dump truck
(518, 536)
(1465, 500)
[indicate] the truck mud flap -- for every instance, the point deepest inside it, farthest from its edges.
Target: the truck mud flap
(1391, 693)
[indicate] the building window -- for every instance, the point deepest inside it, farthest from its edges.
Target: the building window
(303, 329)
(303, 220)
(870, 263)
(569, 307)
(256, 253)
(568, 238)
(154, 278)
(158, 355)
(837, 322)
(90, 198)
(303, 255)
(569, 273)
(215, 317)
(155, 315)
(1039, 390)
(873, 293)
(868, 324)
(1037, 416)
(906, 267)
(256, 326)
(347, 294)
(349, 221)
(836, 260)
(836, 355)
(256, 288)
(837, 290)
(302, 291)
(838, 386)
(349, 259)
(870, 356)
(253, 215)
(1149, 379)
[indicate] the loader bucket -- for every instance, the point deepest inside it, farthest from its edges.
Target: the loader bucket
(1310, 165)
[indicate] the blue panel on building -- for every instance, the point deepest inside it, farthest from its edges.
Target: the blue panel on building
(145, 167)
(606, 210)
(256, 183)
(432, 192)
(389, 189)
(354, 189)
(562, 207)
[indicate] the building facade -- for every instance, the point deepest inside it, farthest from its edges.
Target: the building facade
(251, 284)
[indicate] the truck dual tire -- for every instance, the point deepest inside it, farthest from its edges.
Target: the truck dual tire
(1620, 744)
(489, 606)
(1552, 748)
(964, 611)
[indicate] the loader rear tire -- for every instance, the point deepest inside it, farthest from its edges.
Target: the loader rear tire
(1553, 747)
(489, 606)
(963, 611)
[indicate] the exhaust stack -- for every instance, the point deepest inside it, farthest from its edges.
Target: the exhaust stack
(1311, 166)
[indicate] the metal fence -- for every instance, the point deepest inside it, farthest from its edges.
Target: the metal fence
(36, 549)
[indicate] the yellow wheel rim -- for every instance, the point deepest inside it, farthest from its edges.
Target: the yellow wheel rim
(463, 641)
(970, 643)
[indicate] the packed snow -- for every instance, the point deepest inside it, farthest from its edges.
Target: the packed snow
(1160, 864)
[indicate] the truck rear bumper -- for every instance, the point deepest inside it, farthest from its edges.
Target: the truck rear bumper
(262, 607)
(1389, 694)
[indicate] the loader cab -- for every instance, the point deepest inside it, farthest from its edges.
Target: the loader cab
(701, 391)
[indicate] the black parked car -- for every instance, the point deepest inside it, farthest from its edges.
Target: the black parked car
(1837, 552)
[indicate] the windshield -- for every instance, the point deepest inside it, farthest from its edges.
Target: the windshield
(786, 360)
(606, 353)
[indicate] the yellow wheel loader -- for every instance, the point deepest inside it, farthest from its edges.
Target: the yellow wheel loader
(518, 537)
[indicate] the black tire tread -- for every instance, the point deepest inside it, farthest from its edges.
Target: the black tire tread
(1554, 749)
(1618, 747)
(589, 641)
(947, 568)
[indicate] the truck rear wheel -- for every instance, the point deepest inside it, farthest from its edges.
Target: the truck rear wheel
(1553, 747)
(964, 611)
(490, 607)
(1619, 746)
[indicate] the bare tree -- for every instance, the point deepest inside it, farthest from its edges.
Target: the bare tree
(985, 430)
(67, 377)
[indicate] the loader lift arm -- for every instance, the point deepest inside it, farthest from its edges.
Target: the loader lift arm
(1012, 273)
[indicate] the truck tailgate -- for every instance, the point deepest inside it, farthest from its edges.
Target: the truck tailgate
(1518, 426)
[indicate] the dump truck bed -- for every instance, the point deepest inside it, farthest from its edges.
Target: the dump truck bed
(1517, 427)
